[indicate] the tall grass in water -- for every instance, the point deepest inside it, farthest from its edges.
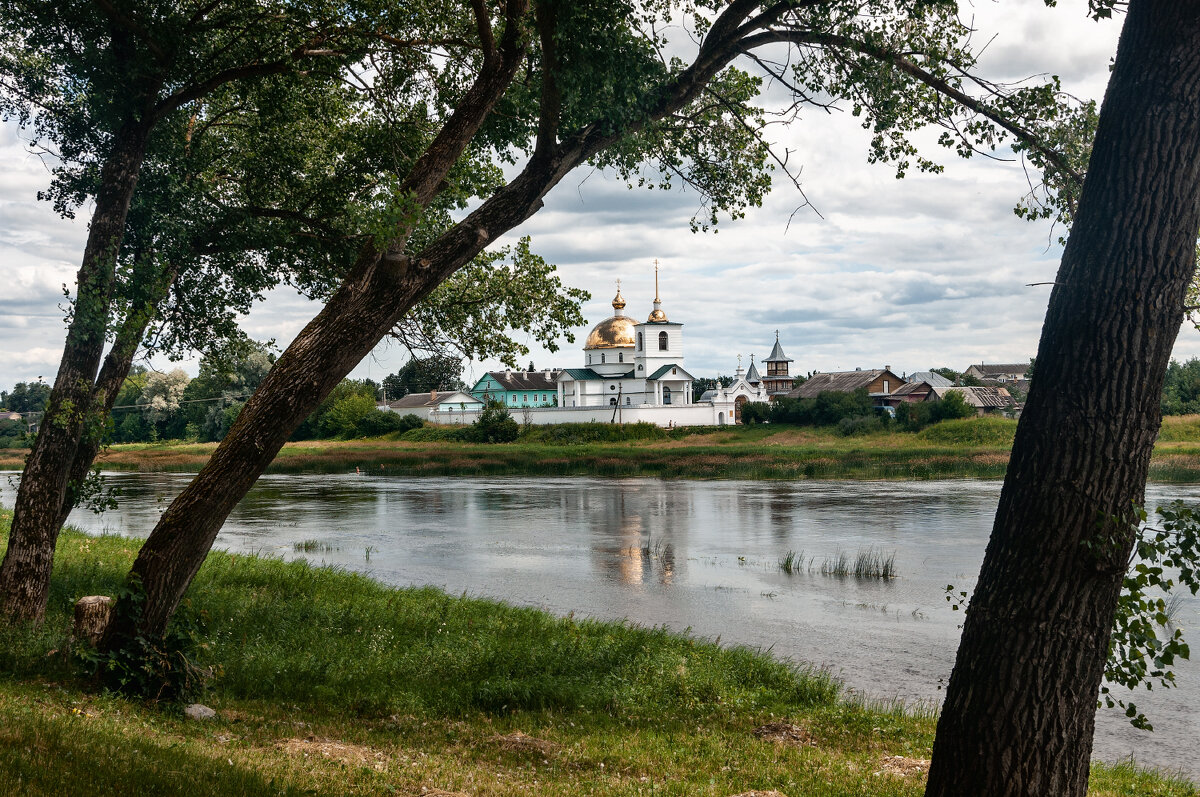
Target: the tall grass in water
(792, 562)
(869, 564)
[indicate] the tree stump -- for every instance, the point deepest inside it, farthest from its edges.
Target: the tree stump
(91, 617)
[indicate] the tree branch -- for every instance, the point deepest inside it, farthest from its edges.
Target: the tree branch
(922, 75)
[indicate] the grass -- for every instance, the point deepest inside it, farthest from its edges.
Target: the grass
(330, 683)
(970, 448)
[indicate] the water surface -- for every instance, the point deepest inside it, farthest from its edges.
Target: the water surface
(689, 555)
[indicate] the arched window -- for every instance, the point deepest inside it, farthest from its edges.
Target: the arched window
(662, 341)
(666, 392)
(612, 401)
(639, 341)
(621, 358)
(601, 356)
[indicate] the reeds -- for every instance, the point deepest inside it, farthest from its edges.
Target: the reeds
(868, 564)
(313, 546)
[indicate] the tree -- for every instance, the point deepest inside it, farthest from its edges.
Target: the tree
(1020, 705)
(1181, 392)
(26, 397)
(597, 86)
(99, 84)
(439, 372)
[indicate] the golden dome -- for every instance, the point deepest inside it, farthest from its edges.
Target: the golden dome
(612, 333)
(657, 316)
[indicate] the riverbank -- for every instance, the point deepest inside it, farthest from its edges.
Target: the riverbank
(973, 448)
(331, 683)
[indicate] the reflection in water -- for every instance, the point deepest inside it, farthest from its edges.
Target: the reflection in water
(699, 555)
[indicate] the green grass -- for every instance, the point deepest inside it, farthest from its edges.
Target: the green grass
(330, 683)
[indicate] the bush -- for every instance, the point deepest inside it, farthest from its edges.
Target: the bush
(494, 425)
(863, 424)
(380, 422)
(755, 412)
(582, 433)
(826, 409)
(917, 415)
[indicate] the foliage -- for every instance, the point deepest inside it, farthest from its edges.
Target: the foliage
(319, 424)
(12, 433)
(343, 417)
(705, 383)
(433, 433)
(862, 424)
(26, 397)
(476, 310)
(1145, 639)
(421, 375)
(162, 669)
(825, 409)
(377, 423)
(494, 425)
(755, 412)
(916, 415)
(1181, 390)
(583, 433)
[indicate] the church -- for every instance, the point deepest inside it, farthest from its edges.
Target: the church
(632, 371)
(628, 364)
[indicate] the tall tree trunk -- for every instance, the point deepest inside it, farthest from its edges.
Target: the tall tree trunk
(1020, 706)
(25, 572)
(149, 290)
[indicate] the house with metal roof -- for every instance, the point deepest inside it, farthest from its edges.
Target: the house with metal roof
(876, 381)
(998, 372)
(986, 400)
(439, 406)
(516, 389)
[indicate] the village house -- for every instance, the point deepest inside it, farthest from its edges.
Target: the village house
(998, 372)
(515, 389)
(438, 406)
(987, 400)
(878, 382)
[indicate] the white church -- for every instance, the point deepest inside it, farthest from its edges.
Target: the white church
(633, 371)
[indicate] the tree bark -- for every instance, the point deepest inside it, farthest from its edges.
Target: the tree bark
(149, 291)
(1020, 706)
(25, 572)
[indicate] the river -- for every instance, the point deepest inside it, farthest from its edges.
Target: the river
(691, 555)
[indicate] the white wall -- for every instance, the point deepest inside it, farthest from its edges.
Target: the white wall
(675, 414)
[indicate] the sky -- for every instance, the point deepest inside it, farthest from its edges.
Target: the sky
(928, 271)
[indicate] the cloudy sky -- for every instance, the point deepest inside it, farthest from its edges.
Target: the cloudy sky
(927, 271)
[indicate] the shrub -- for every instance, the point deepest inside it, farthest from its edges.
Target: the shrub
(380, 422)
(582, 433)
(755, 412)
(826, 409)
(863, 424)
(494, 425)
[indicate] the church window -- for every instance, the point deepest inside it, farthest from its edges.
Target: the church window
(662, 341)
(601, 356)
(639, 367)
(613, 401)
(666, 395)
(674, 370)
(639, 341)
(621, 357)
(627, 400)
